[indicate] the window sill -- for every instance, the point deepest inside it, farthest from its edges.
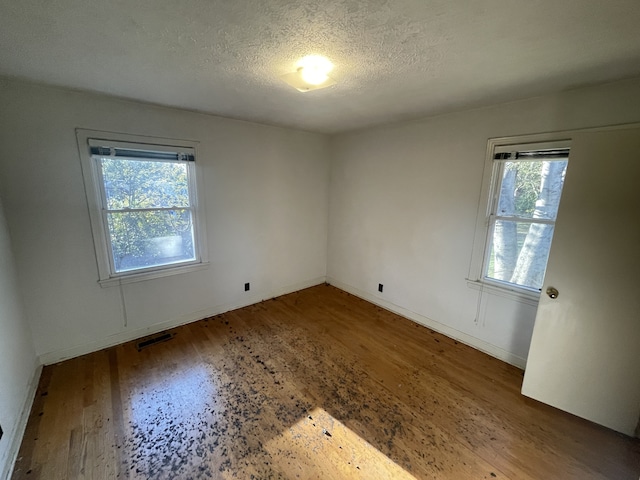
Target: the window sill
(142, 276)
(519, 295)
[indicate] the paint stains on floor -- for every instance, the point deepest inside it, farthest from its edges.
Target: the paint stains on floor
(316, 384)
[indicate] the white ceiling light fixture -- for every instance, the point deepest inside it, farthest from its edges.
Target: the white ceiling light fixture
(312, 74)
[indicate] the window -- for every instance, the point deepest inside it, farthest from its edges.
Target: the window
(524, 196)
(144, 208)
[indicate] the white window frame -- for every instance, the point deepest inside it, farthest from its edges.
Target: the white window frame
(488, 202)
(94, 189)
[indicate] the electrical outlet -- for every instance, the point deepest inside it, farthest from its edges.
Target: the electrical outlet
(380, 287)
(247, 287)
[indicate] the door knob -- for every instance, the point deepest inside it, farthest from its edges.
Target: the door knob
(552, 292)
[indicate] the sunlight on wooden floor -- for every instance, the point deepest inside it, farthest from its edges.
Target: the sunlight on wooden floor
(167, 420)
(322, 447)
(170, 395)
(316, 384)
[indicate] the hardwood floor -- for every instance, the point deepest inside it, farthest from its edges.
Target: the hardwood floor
(315, 384)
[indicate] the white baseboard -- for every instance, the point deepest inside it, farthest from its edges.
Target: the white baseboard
(18, 431)
(128, 335)
(462, 337)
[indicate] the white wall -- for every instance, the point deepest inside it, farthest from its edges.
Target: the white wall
(266, 195)
(403, 205)
(18, 363)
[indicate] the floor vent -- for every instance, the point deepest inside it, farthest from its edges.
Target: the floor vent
(152, 340)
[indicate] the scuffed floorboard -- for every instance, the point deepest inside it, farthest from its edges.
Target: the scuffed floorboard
(315, 384)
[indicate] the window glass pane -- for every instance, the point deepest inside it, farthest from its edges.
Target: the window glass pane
(149, 239)
(519, 252)
(531, 189)
(145, 184)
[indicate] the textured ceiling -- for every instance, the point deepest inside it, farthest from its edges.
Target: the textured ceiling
(393, 60)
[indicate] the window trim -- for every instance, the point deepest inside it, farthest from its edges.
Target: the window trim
(94, 194)
(487, 199)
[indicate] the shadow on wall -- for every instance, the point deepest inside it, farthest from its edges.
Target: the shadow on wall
(514, 336)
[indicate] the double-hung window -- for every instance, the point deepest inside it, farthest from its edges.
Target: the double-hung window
(145, 212)
(524, 196)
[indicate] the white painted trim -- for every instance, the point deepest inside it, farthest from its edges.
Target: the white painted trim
(535, 140)
(128, 335)
(164, 271)
(490, 188)
(518, 294)
(17, 434)
(462, 337)
(94, 192)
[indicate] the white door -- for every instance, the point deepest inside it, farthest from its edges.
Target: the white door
(585, 351)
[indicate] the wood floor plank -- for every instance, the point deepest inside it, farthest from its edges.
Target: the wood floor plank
(465, 415)
(376, 420)
(486, 399)
(315, 384)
